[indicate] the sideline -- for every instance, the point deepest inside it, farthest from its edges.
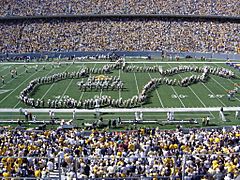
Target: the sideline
(213, 109)
(133, 62)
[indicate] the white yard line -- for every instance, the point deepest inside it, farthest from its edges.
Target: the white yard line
(7, 82)
(136, 82)
(119, 75)
(47, 91)
(193, 92)
(17, 87)
(223, 87)
(101, 91)
(5, 69)
(69, 84)
(231, 81)
(81, 96)
(176, 92)
(52, 85)
(159, 98)
(84, 91)
(204, 105)
(213, 93)
(178, 97)
(20, 101)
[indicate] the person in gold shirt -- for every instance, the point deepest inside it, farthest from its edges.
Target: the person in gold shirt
(37, 173)
(6, 174)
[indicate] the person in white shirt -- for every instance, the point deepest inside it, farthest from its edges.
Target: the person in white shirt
(50, 165)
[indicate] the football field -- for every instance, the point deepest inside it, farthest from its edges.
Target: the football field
(212, 93)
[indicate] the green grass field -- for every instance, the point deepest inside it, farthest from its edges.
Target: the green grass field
(209, 94)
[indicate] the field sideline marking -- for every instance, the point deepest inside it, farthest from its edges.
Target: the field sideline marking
(127, 115)
(2, 65)
(159, 98)
(43, 119)
(120, 110)
(52, 85)
(18, 87)
(134, 62)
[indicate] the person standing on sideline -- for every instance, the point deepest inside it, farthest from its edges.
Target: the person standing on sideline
(74, 115)
(26, 115)
(203, 121)
(207, 120)
(50, 114)
(237, 115)
(30, 116)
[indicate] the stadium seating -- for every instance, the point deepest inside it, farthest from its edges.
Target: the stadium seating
(141, 153)
(119, 34)
(65, 7)
(145, 153)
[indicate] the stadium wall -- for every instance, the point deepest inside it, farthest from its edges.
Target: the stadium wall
(134, 54)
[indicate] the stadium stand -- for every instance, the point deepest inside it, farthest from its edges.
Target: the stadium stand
(76, 7)
(119, 34)
(146, 153)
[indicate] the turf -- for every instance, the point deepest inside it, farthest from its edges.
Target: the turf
(209, 94)
(197, 95)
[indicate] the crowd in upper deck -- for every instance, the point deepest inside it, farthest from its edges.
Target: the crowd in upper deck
(73, 7)
(119, 34)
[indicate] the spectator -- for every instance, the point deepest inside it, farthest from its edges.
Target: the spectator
(129, 35)
(64, 7)
(121, 154)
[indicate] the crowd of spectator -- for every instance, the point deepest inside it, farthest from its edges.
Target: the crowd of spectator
(73, 7)
(119, 34)
(139, 153)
